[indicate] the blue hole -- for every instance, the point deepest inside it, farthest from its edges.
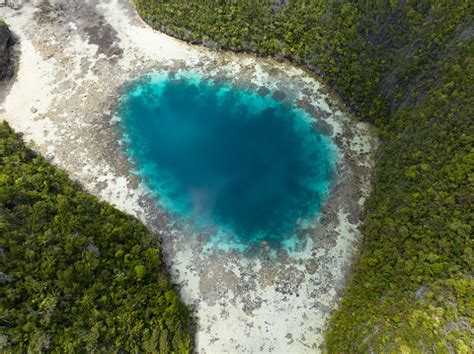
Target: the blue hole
(226, 158)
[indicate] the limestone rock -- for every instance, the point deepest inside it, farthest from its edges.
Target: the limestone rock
(17, 4)
(14, 4)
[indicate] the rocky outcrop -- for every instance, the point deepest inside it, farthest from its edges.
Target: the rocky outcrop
(6, 41)
(14, 4)
(17, 4)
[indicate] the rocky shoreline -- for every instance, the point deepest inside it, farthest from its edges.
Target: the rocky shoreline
(76, 57)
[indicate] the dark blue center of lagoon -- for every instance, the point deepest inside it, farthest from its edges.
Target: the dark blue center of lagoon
(225, 157)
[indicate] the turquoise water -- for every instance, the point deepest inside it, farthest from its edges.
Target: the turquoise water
(225, 158)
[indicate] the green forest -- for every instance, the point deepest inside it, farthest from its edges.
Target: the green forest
(76, 274)
(407, 67)
(5, 43)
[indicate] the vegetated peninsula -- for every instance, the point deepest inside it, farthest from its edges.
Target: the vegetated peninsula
(77, 274)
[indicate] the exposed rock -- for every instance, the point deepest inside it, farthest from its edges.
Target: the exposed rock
(105, 37)
(14, 4)
(17, 4)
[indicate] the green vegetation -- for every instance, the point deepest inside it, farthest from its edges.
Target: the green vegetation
(408, 67)
(6, 40)
(77, 275)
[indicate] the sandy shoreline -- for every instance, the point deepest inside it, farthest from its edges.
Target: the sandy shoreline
(74, 59)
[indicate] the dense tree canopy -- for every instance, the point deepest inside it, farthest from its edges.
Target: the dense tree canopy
(6, 41)
(76, 274)
(408, 67)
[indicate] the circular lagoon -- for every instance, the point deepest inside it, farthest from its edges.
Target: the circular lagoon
(225, 158)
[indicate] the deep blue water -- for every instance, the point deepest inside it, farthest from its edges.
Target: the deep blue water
(226, 157)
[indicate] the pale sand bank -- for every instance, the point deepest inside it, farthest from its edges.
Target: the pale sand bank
(75, 58)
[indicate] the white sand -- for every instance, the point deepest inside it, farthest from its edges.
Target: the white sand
(71, 74)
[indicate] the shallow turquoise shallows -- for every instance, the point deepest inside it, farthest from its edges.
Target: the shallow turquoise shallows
(224, 158)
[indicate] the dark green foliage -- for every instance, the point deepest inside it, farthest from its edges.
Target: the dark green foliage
(408, 67)
(413, 286)
(6, 40)
(327, 35)
(77, 275)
